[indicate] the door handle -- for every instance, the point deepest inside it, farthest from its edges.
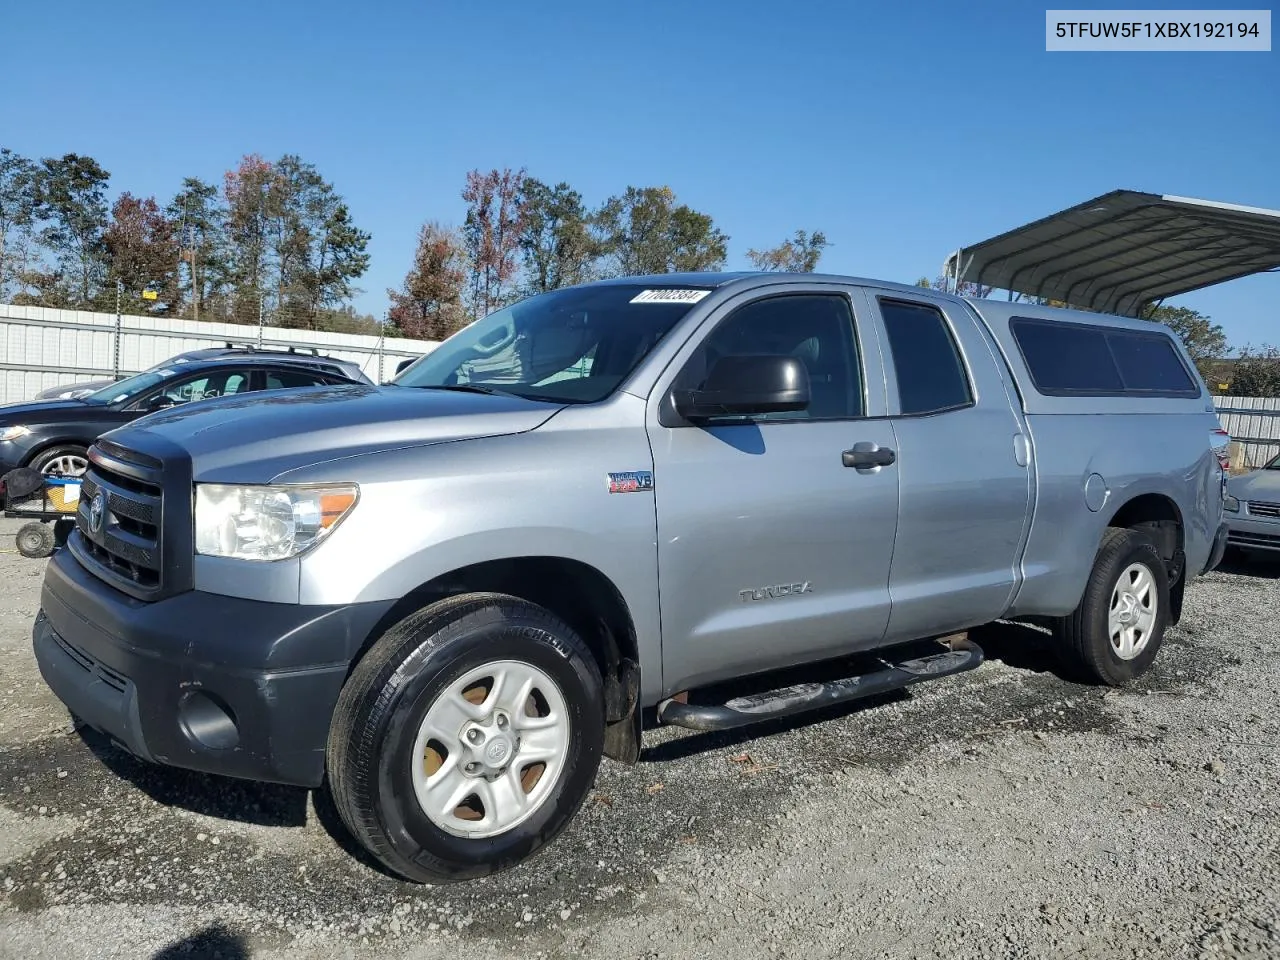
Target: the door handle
(864, 455)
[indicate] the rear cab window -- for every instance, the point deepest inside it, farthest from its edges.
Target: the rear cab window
(1077, 359)
(926, 360)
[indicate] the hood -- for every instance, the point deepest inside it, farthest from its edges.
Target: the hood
(53, 411)
(1258, 485)
(254, 437)
(73, 389)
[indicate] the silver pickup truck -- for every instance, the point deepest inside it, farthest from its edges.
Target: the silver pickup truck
(445, 599)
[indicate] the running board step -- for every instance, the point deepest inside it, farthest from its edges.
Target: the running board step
(963, 655)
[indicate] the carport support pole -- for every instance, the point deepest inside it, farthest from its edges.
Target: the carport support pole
(262, 318)
(119, 305)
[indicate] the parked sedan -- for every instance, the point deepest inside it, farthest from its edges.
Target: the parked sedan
(53, 436)
(1253, 509)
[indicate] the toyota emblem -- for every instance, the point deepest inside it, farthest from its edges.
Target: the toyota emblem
(97, 510)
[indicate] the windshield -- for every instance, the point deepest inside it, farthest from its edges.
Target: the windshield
(567, 346)
(130, 387)
(1272, 464)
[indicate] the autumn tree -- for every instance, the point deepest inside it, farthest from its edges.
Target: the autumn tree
(316, 250)
(142, 249)
(644, 230)
(556, 240)
(72, 196)
(246, 191)
(1205, 340)
(429, 305)
(491, 236)
(292, 242)
(18, 209)
(200, 224)
(800, 254)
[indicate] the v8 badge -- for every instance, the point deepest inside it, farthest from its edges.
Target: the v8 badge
(631, 481)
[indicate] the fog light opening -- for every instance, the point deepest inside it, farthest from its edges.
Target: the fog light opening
(207, 721)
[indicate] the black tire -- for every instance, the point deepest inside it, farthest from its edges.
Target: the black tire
(45, 457)
(382, 706)
(35, 540)
(1084, 636)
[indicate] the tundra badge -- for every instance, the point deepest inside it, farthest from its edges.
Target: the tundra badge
(778, 590)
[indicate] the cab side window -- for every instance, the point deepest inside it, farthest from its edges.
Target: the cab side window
(931, 375)
(219, 384)
(816, 328)
(289, 379)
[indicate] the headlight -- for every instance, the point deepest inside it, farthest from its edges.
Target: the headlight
(1231, 504)
(13, 433)
(267, 523)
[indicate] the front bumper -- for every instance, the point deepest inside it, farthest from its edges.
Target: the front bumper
(1250, 533)
(201, 681)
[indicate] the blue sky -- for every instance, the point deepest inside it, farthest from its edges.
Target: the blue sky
(900, 130)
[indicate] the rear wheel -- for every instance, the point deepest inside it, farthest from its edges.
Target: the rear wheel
(1115, 633)
(467, 738)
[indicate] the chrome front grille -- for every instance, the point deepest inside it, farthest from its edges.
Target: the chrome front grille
(1260, 508)
(118, 520)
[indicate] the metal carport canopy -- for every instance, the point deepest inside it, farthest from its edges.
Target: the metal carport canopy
(1124, 250)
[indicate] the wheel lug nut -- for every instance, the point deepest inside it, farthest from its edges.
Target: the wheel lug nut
(472, 768)
(502, 722)
(473, 736)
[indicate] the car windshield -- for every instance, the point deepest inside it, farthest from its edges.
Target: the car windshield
(567, 346)
(1273, 463)
(130, 387)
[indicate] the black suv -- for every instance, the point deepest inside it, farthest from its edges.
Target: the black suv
(71, 391)
(52, 436)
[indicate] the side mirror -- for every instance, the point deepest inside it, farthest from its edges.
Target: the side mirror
(748, 385)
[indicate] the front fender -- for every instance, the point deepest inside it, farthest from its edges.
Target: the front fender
(427, 512)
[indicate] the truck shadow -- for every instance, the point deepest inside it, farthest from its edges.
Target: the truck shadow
(227, 798)
(1023, 646)
(214, 942)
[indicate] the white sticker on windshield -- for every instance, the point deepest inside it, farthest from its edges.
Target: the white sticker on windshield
(669, 296)
(164, 373)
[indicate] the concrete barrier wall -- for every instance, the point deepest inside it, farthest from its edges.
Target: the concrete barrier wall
(1254, 425)
(42, 347)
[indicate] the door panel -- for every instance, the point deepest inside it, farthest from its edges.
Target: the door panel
(771, 551)
(965, 499)
(744, 510)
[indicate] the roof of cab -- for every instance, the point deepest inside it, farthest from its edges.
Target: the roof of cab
(746, 279)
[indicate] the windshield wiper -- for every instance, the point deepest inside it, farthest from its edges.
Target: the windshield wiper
(468, 388)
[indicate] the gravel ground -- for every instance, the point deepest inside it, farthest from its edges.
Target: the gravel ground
(1002, 813)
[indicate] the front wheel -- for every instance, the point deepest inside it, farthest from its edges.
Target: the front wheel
(1113, 636)
(65, 461)
(467, 738)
